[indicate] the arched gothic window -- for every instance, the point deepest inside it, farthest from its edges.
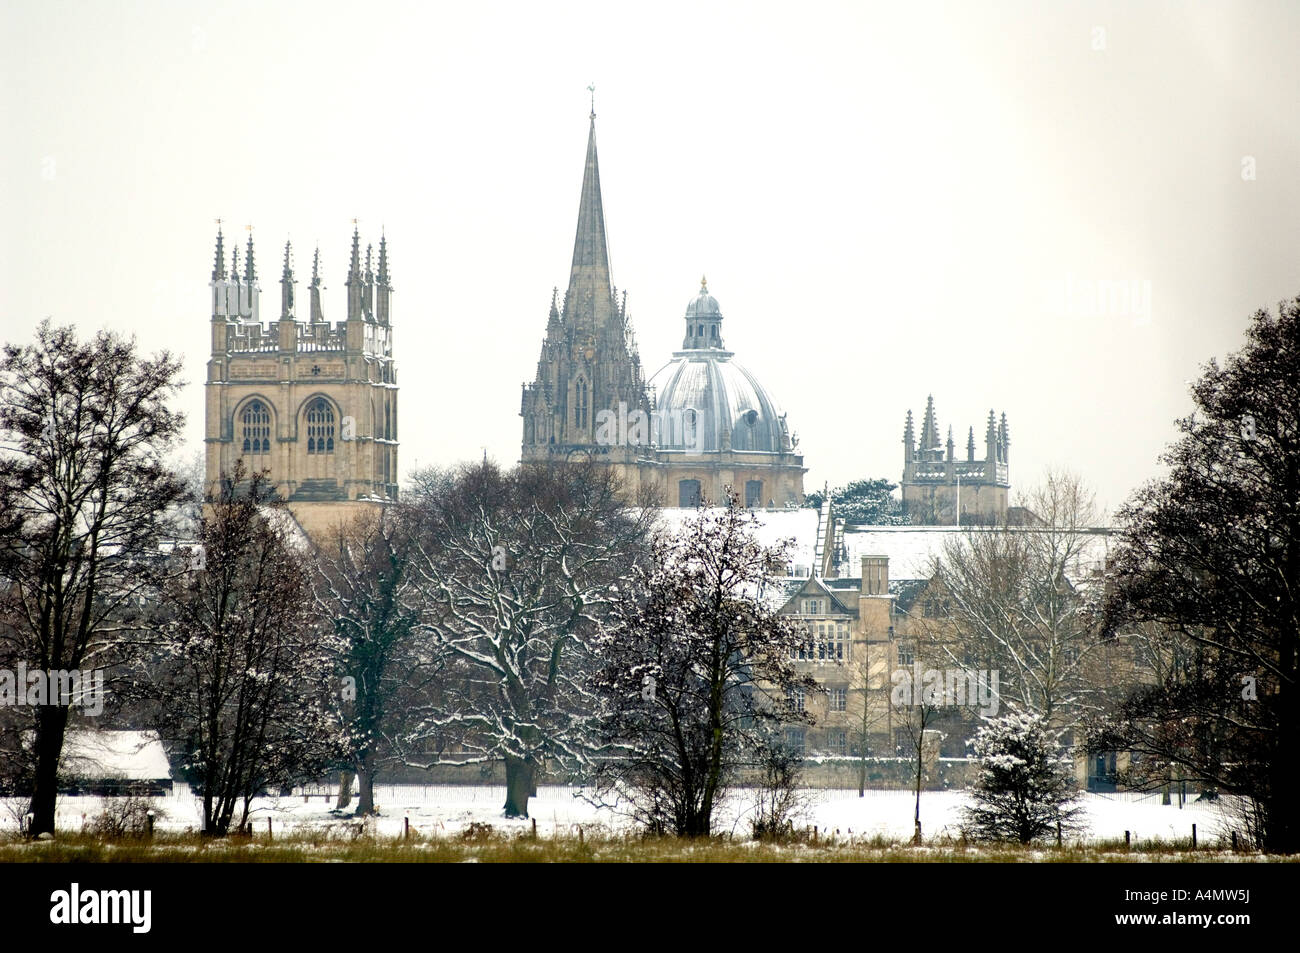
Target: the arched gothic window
(255, 423)
(320, 427)
(580, 403)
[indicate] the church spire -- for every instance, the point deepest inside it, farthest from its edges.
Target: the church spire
(590, 293)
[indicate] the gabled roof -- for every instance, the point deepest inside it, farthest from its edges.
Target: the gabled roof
(110, 755)
(819, 586)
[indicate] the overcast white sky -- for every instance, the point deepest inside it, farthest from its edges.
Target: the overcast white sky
(889, 199)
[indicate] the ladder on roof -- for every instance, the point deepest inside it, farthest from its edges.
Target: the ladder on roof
(819, 550)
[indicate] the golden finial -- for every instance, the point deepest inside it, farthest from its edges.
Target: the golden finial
(248, 228)
(704, 285)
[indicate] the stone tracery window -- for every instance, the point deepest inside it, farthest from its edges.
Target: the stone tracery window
(320, 427)
(255, 424)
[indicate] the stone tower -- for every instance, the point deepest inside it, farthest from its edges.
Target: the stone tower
(588, 361)
(312, 403)
(933, 476)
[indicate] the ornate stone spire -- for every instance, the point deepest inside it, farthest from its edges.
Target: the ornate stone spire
(383, 287)
(354, 267)
(286, 286)
(590, 295)
(317, 315)
(250, 271)
(553, 320)
(929, 427)
(383, 260)
(219, 263)
(355, 282)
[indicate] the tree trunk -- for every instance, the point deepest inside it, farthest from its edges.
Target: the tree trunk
(50, 727)
(366, 791)
(345, 790)
(920, 764)
(519, 786)
(1281, 832)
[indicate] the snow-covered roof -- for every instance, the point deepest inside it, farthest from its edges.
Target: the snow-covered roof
(282, 520)
(912, 549)
(772, 527)
(100, 754)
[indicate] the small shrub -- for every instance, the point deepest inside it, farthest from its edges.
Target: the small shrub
(478, 832)
(124, 817)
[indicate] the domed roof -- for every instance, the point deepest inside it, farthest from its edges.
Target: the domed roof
(703, 305)
(706, 402)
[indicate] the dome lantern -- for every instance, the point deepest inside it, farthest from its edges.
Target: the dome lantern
(703, 321)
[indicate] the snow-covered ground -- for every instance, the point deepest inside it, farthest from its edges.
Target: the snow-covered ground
(450, 809)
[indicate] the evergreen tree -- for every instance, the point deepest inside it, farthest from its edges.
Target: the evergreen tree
(1024, 789)
(863, 502)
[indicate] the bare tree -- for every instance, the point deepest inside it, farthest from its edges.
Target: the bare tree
(83, 495)
(869, 720)
(698, 674)
(915, 719)
(245, 665)
(1010, 601)
(364, 584)
(515, 570)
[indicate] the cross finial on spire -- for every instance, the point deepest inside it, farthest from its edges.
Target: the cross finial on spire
(591, 88)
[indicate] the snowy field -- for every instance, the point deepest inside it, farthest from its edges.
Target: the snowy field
(441, 810)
